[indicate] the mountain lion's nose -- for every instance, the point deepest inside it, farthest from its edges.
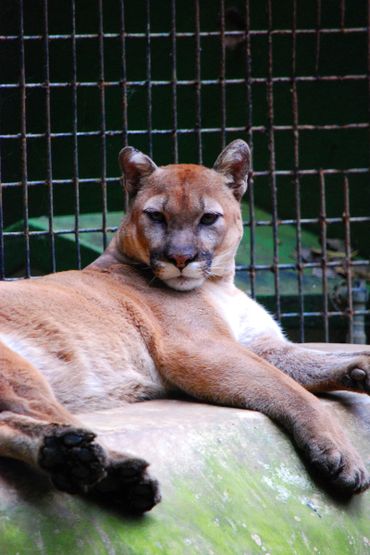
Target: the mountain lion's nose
(181, 260)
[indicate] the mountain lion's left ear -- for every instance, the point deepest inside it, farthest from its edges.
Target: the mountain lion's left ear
(134, 165)
(234, 163)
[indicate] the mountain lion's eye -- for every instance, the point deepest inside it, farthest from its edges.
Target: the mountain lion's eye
(155, 216)
(209, 218)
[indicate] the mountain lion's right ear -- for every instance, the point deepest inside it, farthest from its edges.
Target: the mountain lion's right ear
(134, 165)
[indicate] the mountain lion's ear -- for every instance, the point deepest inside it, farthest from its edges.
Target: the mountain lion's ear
(134, 165)
(234, 163)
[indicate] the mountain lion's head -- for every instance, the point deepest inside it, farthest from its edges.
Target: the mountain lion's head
(184, 220)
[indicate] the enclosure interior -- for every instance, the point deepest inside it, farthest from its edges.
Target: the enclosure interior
(179, 80)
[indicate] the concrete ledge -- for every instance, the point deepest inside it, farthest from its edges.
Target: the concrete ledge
(231, 482)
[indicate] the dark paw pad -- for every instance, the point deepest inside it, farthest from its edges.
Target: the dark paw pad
(128, 486)
(72, 458)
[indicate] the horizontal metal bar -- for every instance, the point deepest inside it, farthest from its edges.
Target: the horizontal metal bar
(183, 131)
(294, 221)
(303, 265)
(282, 173)
(67, 231)
(322, 314)
(257, 223)
(239, 268)
(190, 34)
(189, 82)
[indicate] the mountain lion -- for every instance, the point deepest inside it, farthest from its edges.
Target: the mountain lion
(156, 314)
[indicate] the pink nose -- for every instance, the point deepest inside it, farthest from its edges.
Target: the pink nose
(180, 260)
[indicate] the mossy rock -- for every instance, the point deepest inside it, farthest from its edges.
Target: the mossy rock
(232, 483)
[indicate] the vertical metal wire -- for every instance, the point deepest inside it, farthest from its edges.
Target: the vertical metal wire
(296, 180)
(222, 73)
(323, 213)
(103, 149)
(368, 73)
(318, 36)
(124, 75)
(175, 145)
(342, 13)
(347, 264)
(49, 170)
(272, 168)
(24, 174)
(2, 251)
(198, 78)
(324, 255)
(149, 80)
(124, 94)
(75, 176)
(249, 99)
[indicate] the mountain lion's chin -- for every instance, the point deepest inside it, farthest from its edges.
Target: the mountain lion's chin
(182, 283)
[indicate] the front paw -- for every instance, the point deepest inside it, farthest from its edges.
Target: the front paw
(340, 464)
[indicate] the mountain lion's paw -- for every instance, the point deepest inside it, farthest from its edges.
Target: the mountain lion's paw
(342, 466)
(72, 458)
(128, 486)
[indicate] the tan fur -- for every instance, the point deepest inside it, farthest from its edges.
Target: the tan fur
(156, 314)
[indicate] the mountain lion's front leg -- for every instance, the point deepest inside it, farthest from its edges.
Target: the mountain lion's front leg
(222, 371)
(36, 429)
(316, 370)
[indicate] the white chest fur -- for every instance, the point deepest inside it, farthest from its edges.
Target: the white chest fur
(246, 319)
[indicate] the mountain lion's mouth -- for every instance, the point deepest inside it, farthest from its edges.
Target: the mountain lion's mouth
(184, 283)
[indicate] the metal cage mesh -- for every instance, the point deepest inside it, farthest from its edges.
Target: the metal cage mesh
(179, 80)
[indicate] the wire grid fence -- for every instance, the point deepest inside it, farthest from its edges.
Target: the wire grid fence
(83, 78)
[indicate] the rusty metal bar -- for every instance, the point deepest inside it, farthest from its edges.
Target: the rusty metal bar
(123, 74)
(190, 34)
(296, 180)
(198, 83)
(368, 72)
(318, 36)
(49, 171)
(149, 80)
(257, 174)
(24, 178)
(175, 145)
(205, 82)
(124, 92)
(103, 146)
(249, 100)
(272, 169)
(2, 251)
(75, 179)
(182, 131)
(342, 16)
(348, 258)
(324, 256)
(222, 74)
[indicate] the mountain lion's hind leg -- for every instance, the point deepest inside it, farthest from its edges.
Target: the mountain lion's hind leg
(36, 429)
